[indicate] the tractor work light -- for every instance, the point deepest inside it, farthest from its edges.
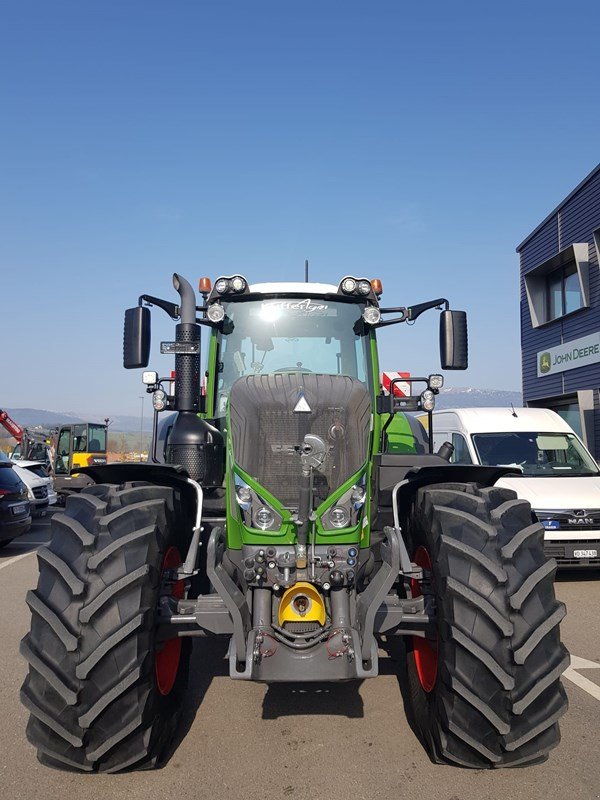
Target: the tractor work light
(428, 400)
(238, 284)
(159, 400)
(435, 381)
(149, 378)
(371, 315)
(360, 287)
(216, 313)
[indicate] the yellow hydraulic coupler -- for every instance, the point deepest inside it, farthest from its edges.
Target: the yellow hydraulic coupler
(301, 603)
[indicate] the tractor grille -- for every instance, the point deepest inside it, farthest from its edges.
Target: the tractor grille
(301, 627)
(266, 431)
(40, 492)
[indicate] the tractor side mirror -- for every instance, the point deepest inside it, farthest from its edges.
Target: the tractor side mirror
(454, 348)
(136, 338)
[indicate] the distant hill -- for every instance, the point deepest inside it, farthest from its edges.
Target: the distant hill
(34, 417)
(458, 397)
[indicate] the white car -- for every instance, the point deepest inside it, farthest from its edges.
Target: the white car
(40, 487)
(559, 476)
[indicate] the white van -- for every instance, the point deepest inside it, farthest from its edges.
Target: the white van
(559, 476)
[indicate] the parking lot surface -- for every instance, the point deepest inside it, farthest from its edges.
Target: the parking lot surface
(245, 740)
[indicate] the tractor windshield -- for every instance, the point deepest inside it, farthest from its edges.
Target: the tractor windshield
(290, 335)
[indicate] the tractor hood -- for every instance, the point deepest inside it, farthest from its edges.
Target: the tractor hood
(270, 416)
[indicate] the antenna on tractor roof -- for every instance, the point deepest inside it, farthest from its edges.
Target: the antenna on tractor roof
(514, 413)
(306, 270)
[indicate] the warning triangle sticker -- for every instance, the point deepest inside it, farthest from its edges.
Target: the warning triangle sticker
(302, 405)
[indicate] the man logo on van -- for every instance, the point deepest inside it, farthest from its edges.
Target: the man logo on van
(545, 363)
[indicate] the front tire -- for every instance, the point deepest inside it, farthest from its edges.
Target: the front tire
(485, 688)
(97, 696)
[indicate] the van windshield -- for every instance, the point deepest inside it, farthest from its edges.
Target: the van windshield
(538, 454)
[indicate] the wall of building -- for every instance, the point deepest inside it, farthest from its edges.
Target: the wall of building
(574, 221)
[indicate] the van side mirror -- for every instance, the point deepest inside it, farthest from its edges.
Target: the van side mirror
(454, 348)
(136, 338)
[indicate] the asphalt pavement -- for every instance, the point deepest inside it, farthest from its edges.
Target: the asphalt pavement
(244, 740)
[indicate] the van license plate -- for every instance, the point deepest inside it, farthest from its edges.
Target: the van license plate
(585, 553)
(19, 508)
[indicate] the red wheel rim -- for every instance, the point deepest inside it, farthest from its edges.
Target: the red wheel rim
(425, 651)
(166, 662)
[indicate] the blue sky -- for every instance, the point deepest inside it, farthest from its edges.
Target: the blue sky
(418, 143)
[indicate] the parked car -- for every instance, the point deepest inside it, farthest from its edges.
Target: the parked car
(558, 475)
(15, 517)
(40, 485)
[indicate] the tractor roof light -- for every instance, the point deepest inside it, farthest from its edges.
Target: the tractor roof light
(360, 287)
(205, 285)
(435, 381)
(230, 284)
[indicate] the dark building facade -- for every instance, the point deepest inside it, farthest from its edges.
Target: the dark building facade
(560, 311)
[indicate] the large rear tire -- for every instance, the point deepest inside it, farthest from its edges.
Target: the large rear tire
(485, 690)
(98, 696)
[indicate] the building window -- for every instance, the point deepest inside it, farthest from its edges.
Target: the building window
(559, 285)
(563, 292)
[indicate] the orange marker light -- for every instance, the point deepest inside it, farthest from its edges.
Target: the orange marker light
(377, 287)
(205, 285)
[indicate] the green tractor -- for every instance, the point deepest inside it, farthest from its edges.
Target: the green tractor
(292, 507)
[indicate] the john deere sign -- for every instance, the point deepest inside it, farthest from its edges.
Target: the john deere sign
(570, 355)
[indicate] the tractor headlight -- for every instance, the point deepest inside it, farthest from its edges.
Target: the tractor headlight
(216, 313)
(358, 496)
(159, 400)
(436, 381)
(243, 495)
(371, 315)
(428, 400)
(255, 511)
(348, 285)
(364, 288)
(339, 517)
(264, 518)
(222, 285)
